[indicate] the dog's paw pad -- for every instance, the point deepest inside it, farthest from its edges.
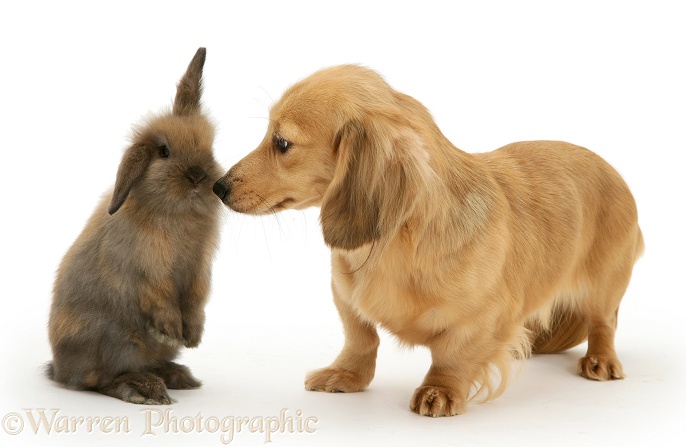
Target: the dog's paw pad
(434, 401)
(600, 367)
(335, 380)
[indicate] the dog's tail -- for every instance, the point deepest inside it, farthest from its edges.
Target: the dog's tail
(567, 329)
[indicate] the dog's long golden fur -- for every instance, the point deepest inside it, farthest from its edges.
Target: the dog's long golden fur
(480, 257)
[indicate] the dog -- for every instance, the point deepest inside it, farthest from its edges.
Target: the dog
(483, 258)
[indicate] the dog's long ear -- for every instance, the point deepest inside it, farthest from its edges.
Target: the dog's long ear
(131, 169)
(189, 90)
(350, 212)
(377, 180)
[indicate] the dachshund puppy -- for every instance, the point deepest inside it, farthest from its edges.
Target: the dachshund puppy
(483, 258)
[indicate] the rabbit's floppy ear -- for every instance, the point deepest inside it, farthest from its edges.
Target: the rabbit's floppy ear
(131, 169)
(189, 90)
(382, 165)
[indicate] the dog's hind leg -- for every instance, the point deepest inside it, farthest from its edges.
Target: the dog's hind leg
(567, 329)
(600, 308)
(608, 282)
(600, 361)
(354, 367)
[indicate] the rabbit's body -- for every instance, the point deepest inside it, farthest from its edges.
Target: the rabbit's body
(132, 288)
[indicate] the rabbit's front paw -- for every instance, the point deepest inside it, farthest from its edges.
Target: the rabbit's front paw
(166, 329)
(191, 339)
(192, 333)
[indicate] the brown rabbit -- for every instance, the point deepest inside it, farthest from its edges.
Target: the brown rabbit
(132, 288)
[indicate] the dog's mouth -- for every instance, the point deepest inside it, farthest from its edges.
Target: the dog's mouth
(248, 202)
(282, 205)
(254, 205)
(259, 206)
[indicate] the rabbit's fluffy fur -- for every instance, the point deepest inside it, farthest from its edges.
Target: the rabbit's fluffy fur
(481, 257)
(131, 289)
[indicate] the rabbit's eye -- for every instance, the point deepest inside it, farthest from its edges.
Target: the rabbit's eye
(281, 144)
(164, 151)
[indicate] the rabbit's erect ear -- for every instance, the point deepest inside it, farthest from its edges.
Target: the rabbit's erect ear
(380, 171)
(131, 170)
(189, 90)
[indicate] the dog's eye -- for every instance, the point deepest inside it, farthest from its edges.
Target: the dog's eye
(281, 144)
(164, 151)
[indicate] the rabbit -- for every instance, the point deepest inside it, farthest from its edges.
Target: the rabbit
(131, 290)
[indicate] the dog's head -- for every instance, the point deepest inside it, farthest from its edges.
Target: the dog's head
(341, 139)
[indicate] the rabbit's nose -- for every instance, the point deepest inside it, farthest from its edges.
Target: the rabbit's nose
(195, 174)
(221, 189)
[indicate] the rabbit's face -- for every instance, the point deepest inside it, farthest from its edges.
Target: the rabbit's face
(176, 164)
(169, 168)
(182, 168)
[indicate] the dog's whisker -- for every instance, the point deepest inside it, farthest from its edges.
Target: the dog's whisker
(266, 238)
(268, 95)
(269, 208)
(266, 107)
(272, 212)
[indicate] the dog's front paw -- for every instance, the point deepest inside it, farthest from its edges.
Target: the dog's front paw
(437, 401)
(335, 380)
(600, 367)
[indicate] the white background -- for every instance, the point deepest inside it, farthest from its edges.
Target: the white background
(75, 76)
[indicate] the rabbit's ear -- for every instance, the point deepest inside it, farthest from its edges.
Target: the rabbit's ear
(131, 169)
(189, 90)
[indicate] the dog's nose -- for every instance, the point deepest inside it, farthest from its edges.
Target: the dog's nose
(195, 174)
(221, 189)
